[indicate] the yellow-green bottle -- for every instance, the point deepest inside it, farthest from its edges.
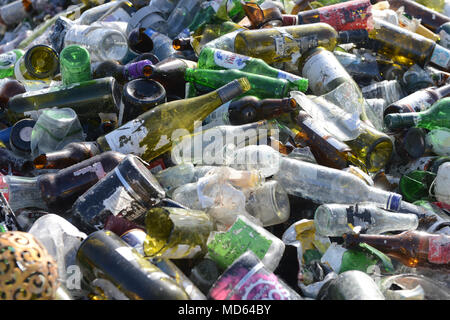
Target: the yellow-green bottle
(151, 134)
(281, 44)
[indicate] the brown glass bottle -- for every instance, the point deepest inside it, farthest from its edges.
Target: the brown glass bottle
(181, 44)
(170, 73)
(412, 248)
(418, 101)
(327, 150)
(8, 90)
(61, 190)
(262, 18)
(71, 154)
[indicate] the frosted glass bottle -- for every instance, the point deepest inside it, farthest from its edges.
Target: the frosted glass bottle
(333, 220)
(326, 185)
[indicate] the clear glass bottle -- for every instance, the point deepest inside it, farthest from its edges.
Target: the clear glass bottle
(333, 220)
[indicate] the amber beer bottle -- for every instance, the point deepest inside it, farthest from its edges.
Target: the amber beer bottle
(71, 154)
(326, 149)
(412, 248)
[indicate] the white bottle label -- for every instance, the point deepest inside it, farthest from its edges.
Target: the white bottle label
(288, 76)
(96, 168)
(7, 59)
(320, 73)
(127, 138)
(441, 56)
(229, 60)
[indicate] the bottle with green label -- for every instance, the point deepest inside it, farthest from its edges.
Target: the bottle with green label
(7, 62)
(225, 247)
(216, 59)
(262, 87)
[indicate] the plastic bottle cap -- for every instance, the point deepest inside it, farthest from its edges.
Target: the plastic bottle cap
(20, 138)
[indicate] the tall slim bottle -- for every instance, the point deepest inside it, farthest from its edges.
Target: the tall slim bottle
(327, 185)
(261, 86)
(280, 44)
(211, 58)
(412, 248)
(150, 134)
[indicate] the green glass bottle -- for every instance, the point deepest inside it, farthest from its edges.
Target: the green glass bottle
(75, 64)
(416, 184)
(7, 62)
(262, 87)
(437, 116)
(151, 134)
(216, 59)
(87, 99)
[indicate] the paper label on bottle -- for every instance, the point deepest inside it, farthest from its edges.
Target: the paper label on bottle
(119, 201)
(347, 16)
(359, 219)
(7, 60)
(181, 251)
(226, 247)
(4, 188)
(288, 76)
(150, 32)
(96, 168)
(320, 73)
(439, 249)
(441, 57)
(254, 284)
(127, 138)
(230, 60)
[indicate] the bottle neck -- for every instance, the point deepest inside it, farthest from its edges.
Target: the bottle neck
(390, 200)
(396, 121)
(23, 192)
(384, 243)
(443, 91)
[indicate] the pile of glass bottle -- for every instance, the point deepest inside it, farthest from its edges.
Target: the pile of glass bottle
(226, 149)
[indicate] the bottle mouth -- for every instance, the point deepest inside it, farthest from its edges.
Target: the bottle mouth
(41, 61)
